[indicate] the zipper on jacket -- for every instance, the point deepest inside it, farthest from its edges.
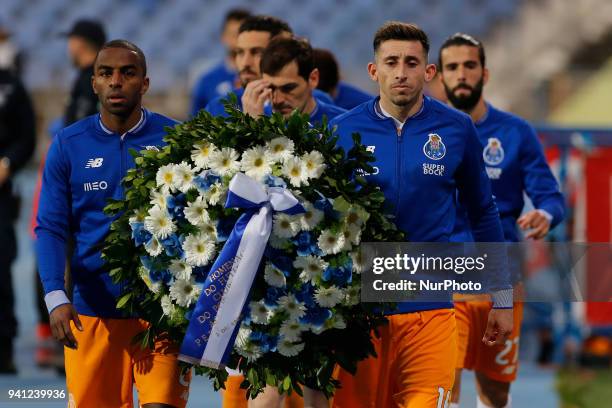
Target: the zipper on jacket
(398, 166)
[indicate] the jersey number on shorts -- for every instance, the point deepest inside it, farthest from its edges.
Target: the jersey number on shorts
(501, 356)
(443, 403)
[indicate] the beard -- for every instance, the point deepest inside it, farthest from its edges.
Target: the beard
(465, 103)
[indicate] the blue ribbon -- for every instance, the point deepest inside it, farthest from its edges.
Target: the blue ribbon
(216, 318)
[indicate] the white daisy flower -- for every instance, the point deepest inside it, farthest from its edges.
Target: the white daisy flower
(314, 163)
(288, 348)
(335, 322)
(196, 213)
(278, 242)
(216, 194)
(250, 351)
(184, 176)
(242, 338)
(295, 170)
(311, 218)
(291, 305)
(199, 249)
(138, 216)
(201, 154)
(280, 148)
(353, 296)
(158, 198)
(180, 269)
(332, 322)
(352, 236)
(166, 178)
(184, 292)
(257, 162)
(260, 313)
(159, 223)
(330, 243)
(356, 215)
(312, 267)
(209, 229)
(285, 226)
(146, 278)
(225, 161)
(358, 261)
(328, 297)
(274, 277)
(167, 305)
(291, 330)
(154, 247)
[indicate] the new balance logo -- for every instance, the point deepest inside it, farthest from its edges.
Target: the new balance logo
(96, 185)
(94, 163)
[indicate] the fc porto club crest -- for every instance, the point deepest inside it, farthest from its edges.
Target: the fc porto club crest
(493, 153)
(434, 148)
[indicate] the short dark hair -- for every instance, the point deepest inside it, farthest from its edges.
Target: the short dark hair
(396, 30)
(236, 14)
(329, 72)
(463, 39)
(128, 45)
(269, 24)
(282, 51)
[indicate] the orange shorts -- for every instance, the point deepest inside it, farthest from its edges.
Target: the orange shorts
(414, 367)
(235, 397)
(499, 363)
(106, 365)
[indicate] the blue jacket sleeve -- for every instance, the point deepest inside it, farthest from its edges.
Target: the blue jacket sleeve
(475, 194)
(199, 99)
(216, 108)
(53, 217)
(539, 182)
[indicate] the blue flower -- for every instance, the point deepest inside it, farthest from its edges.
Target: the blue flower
(172, 246)
(327, 206)
(246, 313)
(206, 179)
(306, 245)
(150, 263)
(316, 316)
(338, 275)
(283, 263)
(139, 234)
(306, 295)
(272, 181)
(266, 342)
(272, 296)
(224, 228)
(176, 206)
(159, 275)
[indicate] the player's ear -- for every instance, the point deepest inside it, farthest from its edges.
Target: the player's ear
(430, 72)
(372, 71)
(313, 78)
(485, 76)
(145, 86)
(93, 84)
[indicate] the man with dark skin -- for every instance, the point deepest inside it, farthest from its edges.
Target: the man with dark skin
(84, 168)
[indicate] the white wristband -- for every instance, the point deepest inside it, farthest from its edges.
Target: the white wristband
(503, 299)
(55, 298)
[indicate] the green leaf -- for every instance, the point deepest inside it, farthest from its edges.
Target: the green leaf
(287, 383)
(123, 300)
